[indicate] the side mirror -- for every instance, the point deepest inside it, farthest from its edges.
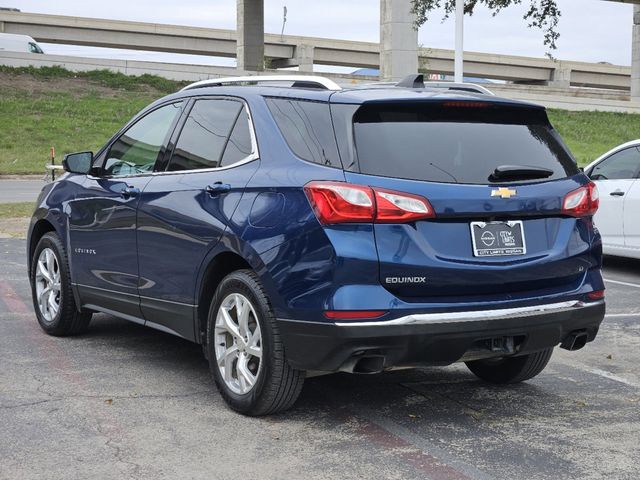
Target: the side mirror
(593, 175)
(78, 162)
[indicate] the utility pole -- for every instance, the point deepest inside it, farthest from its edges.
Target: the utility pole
(635, 62)
(459, 56)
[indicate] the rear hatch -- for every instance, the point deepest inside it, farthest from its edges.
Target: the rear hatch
(496, 177)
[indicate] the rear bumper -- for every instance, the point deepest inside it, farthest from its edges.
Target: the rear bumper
(435, 339)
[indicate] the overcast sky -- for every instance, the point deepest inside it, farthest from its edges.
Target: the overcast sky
(592, 30)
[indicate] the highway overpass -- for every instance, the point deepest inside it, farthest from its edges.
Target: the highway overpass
(304, 52)
(285, 51)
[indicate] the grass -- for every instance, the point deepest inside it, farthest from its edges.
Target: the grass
(590, 134)
(69, 123)
(16, 210)
(103, 78)
(41, 108)
(51, 106)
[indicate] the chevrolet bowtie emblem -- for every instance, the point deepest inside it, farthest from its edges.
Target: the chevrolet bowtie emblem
(503, 192)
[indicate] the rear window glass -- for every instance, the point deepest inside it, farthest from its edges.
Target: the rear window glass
(307, 128)
(455, 144)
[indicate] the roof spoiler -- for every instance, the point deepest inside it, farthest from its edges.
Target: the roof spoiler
(417, 81)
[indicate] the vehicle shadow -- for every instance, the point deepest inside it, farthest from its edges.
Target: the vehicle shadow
(407, 414)
(447, 396)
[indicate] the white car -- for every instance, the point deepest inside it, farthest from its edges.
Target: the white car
(10, 42)
(616, 173)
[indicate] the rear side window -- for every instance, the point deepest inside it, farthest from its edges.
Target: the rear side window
(455, 143)
(204, 136)
(307, 128)
(239, 145)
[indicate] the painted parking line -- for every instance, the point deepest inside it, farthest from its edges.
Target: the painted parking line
(11, 299)
(626, 284)
(613, 376)
(605, 374)
(60, 364)
(431, 466)
(622, 315)
(432, 460)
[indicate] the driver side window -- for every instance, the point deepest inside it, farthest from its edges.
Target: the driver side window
(34, 48)
(623, 165)
(137, 149)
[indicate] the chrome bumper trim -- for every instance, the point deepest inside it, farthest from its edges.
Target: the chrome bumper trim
(476, 315)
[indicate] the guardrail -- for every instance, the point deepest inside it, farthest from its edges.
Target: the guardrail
(288, 50)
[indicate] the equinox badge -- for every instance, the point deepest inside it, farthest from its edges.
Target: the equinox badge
(405, 280)
(503, 192)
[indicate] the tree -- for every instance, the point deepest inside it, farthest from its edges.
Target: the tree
(543, 14)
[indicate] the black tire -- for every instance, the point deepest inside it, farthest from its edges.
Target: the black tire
(68, 320)
(511, 369)
(277, 385)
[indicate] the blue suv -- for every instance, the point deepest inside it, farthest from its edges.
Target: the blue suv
(294, 228)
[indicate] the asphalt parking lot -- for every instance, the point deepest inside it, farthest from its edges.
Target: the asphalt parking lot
(123, 401)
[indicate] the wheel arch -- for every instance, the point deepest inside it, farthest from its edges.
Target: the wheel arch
(39, 229)
(216, 269)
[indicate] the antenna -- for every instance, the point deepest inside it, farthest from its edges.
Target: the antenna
(284, 21)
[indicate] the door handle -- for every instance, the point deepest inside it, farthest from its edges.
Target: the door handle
(129, 192)
(617, 193)
(217, 188)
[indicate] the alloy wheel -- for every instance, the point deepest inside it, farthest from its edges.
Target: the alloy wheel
(47, 280)
(238, 343)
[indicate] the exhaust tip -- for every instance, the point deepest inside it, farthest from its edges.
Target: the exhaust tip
(369, 365)
(575, 340)
(364, 365)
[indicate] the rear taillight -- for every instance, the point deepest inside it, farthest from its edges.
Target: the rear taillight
(396, 207)
(338, 202)
(582, 202)
(596, 295)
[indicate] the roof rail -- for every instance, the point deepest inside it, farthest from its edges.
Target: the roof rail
(465, 87)
(417, 81)
(297, 81)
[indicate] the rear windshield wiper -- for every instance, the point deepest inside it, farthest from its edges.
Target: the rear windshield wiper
(519, 172)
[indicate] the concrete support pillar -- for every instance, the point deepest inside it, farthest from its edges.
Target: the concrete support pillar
(250, 31)
(560, 77)
(398, 40)
(302, 58)
(635, 61)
